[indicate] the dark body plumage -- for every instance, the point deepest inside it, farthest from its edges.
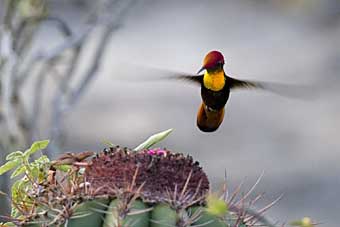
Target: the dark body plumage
(215, 100)
(211, 112)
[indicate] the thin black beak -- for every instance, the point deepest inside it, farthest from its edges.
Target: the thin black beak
(201, 69)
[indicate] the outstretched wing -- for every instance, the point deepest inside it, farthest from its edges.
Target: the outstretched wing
(173, 75)
(152, 74)
(235, 84)
(197, 79)
(288, 90)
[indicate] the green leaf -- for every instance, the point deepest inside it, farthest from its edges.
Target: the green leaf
(152, 140)
(36, 146)
(304, 222)
(42, 160)
(108, 143)
(9, 224)
(19, 194)
(17, 188)
(18, 171)
(14, 155)
(63, 168)
(8, 166)
(15, 212)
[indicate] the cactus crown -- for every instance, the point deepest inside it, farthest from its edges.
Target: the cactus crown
(159, 173)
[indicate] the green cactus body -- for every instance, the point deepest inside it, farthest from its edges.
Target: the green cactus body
(32, 225)
(90, 214)
(163, 216)
(87, 214)
(137, 216)
(205, 219)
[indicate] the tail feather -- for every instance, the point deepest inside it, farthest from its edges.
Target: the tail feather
(209, 120)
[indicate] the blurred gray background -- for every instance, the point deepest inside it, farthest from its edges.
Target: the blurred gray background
(295, 142)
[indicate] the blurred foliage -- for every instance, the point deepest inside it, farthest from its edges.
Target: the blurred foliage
(34, 173)
(216, 206)
(304, 222)
(33, 8)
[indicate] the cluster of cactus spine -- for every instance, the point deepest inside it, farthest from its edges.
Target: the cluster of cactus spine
(120, 187)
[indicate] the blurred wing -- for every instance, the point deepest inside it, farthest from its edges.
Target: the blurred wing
(236, 84)
(197, 79)
(152, 74)
(287, 90)
(173, 75)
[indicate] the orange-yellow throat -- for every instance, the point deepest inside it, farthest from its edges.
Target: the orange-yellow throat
(214, 81)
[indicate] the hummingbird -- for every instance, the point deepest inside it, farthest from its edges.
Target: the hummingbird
(216, 86)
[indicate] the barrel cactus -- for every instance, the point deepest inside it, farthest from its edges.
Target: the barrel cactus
(120, 187)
